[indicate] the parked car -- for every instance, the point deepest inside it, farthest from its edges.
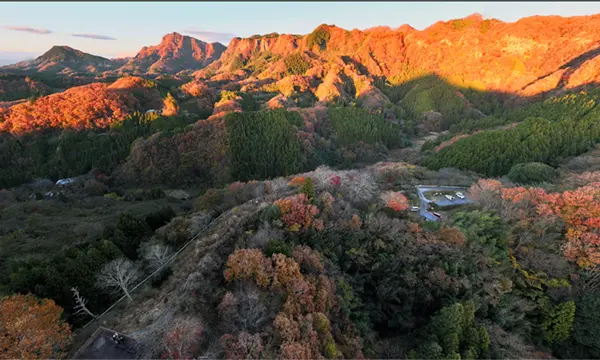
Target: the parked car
(449, 197)
(436, 214)
(414, 208)
(460, 195)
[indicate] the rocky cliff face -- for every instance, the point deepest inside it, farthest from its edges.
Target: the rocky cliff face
(527, 57)
(175, 53)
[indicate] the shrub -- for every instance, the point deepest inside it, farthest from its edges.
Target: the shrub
(176, 232)
(460, 24)
(143, 195)
(319, 37)
(237, 64)
(278, 247)
(94, 188)
(209, 200)
(295, 64)
(227, 95)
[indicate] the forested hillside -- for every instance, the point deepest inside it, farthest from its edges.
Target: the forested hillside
(380, 193)
(548, 132)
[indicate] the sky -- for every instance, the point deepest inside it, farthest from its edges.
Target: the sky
(118, 29)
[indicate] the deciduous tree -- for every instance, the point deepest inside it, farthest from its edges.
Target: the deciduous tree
(32, 328)
(119, 275)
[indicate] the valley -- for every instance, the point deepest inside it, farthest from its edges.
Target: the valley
(380, 193)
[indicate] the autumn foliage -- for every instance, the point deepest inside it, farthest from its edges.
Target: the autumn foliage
(483, 187)
(303, 325)
(395, 200)
(83, 107)
(249, 264)
(297, 212)
(32, 328)
(579, 209)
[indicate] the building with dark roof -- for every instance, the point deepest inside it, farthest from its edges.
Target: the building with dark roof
(103, 345)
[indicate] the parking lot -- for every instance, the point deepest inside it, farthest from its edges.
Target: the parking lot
(442, 196)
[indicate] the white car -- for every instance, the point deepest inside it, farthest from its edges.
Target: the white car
(414, 208)
(460, 195)
(449, 197)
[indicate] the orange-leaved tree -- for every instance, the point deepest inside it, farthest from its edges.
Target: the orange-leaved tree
(395, 200)
(297, 212)
(31, 327)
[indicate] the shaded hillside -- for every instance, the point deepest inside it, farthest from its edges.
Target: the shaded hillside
(64, 60)
(175, 53)
(548, 132)
(15, 87)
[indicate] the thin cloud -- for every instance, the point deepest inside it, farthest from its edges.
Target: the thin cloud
(28, 29)
(210, 36)
(94, 36)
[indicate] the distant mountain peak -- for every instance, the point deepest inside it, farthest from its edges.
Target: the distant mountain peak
(67, 53)
(175, 52)
(63, 59)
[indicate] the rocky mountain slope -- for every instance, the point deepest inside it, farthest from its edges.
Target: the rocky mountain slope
(527, 57)
(175, 53)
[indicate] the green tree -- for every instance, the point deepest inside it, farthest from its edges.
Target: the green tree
(586, 326)
(453, 334)
(557, 320)
(131, 231)
(295, 64)
(308, 188)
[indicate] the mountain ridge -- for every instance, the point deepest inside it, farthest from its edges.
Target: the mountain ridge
(175, 52)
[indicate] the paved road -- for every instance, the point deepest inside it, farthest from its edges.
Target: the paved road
(421, 189)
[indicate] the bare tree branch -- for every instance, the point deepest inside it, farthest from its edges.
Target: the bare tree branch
(80, 307)
(156, 255)
(119, 275)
